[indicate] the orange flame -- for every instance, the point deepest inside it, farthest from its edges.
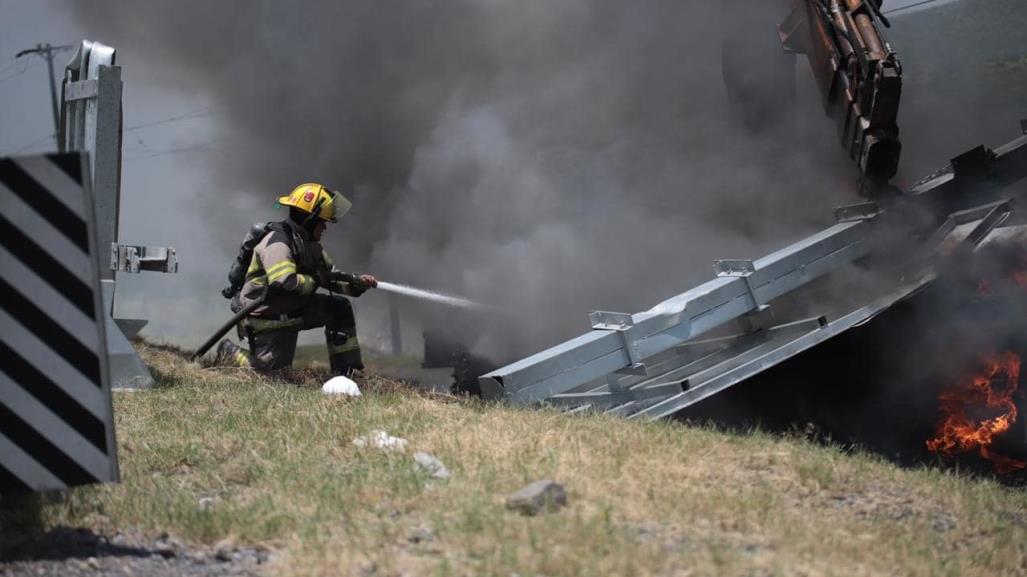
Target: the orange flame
(979, 410)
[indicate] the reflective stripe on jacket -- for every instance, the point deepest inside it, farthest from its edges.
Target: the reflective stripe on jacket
(287, 262)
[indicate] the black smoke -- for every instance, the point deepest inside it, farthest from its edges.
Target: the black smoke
(552, 158)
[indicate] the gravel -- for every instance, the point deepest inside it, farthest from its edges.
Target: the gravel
(74, 552)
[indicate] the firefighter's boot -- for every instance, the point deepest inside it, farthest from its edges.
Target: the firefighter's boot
(343, 352)
(230, 354)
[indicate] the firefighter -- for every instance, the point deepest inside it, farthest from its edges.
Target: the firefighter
(286, 268)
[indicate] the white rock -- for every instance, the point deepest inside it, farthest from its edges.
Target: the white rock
(380, 440)
(431, 465)
(341, 386)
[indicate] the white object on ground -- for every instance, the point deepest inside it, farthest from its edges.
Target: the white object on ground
(431, 465)
(341, 386)
(380, 440)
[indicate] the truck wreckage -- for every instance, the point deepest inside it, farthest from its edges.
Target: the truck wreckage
(759, 313)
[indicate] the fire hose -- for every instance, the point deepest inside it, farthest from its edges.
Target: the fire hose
(225, 328)
(243, 312)
(356, 281)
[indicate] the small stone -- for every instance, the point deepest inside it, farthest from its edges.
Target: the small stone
(93, 562)
(206, 503)
(431, 465)
(223, 554)
(165, 550)
(540, 496)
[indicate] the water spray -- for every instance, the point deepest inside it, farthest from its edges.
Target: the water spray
(428, 295)
(399, 289)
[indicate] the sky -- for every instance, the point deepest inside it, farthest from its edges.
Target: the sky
(156, 182)
(171, 134)
(166, 132)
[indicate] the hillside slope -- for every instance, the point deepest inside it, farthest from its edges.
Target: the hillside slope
(216, 457)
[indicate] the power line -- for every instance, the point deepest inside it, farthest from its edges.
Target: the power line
(39, 142)
(14, 62)
(189, 148)
(17, 73)
(201, 113)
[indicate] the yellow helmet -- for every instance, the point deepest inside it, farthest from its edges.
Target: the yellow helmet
(330, 205)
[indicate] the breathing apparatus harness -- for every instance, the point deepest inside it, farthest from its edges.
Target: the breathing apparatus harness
(237, 272)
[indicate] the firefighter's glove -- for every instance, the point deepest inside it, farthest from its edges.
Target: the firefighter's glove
(360, 284)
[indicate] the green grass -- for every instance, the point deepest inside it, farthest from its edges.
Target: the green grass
(645, 499)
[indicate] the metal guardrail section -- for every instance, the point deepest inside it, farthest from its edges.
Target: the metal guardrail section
(621, 342)
(652, 364)
(91, 122)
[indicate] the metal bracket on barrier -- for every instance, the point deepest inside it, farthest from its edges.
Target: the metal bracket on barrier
(995, 217)
(81, 90)
(135, 259)
(760, 316)
(852, 212)
(620, 323)
(734, 267)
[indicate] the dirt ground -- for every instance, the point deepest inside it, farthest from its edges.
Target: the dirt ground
(71, 552)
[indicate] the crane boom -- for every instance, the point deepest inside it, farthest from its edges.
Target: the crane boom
(859, 76)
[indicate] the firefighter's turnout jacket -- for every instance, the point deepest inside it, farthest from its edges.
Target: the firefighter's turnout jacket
(286, 265)
(287, 261)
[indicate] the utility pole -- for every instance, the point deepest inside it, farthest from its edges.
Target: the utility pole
(47, 51)
(397, 339)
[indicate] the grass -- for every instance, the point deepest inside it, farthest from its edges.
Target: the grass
(316, 356)
(276, 461)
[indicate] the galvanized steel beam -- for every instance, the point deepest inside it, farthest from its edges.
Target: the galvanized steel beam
(650, 365)
(608, 349)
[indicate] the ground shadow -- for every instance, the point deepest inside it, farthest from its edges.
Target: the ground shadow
(62, 543)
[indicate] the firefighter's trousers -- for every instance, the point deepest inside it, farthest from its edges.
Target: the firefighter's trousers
(273, 341)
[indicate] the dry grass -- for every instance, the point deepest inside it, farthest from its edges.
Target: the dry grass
(645, 499)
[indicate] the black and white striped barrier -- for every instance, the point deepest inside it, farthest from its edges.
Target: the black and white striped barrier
(56, 425)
